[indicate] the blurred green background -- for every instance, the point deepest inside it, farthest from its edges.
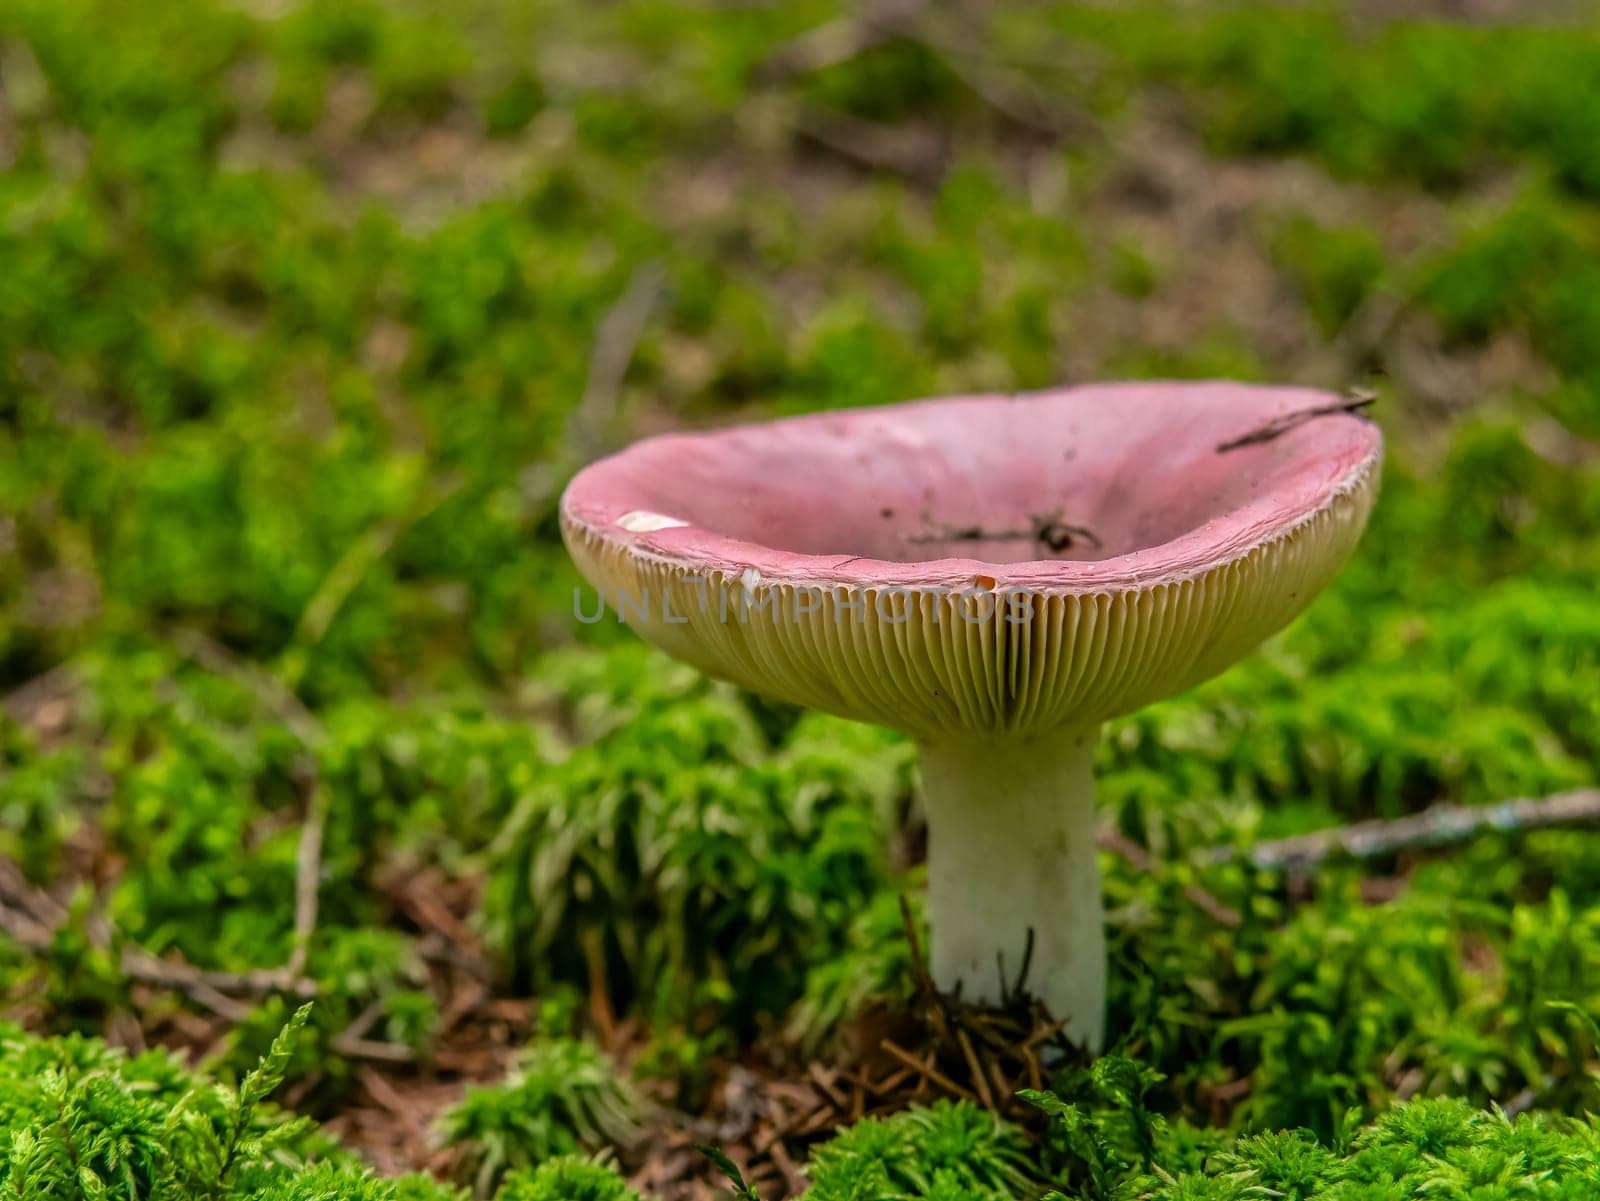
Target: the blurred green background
(308, 311)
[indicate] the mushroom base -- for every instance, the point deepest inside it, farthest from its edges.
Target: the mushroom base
(1012, 847)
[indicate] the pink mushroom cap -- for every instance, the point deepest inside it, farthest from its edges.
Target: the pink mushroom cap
(1136, 538)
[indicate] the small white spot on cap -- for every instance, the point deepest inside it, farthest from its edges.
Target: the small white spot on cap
(642, 521)
(750, 579)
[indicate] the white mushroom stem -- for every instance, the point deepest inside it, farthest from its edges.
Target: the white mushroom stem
(1011, 846)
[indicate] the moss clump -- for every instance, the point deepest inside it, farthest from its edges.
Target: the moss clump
(565, 1095)
(81, 1121)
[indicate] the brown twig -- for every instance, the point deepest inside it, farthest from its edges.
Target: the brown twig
(938, 1008)
(32, 917)
(1035, 1076)
(1368, 328)
(869, 144)
(919, 966)
(269, 691)
(25, 929)
(279, 699)
(373, 1049)
(994, 83)
(615, 341)
(926, 1070)
(1015, 993)
(1278, 426)
(1142, 860)
(793, 1175)
(352, 1042)
(1003, 90)
(838, 41)
(1438, 826)
(20, 702)
(821, 1077)
(347, 572)
(1046, 528)
(978, 1079)
(307, 876)
(600, 1010)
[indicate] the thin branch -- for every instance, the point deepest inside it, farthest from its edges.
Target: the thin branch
(1368, 328)
(980, 1081)
(23, 700)
(1016, 993)
(1002, 89)
(307, 877)
(838, 41)
(352, 1042)
(270, 692)
(1439, 826)
(1279, 426)
(1368, 331)
(1047, 529)
(870, 145)
(919, 966)
(279, 699)
(138, 964)
(615, 341)
(926, 1070)
(31, 917)
(1142, 860)
(346, 575)
(25, 929)
(996, 84)
(369, 1048)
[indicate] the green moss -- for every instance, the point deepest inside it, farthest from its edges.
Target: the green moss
(84, 1121)
(945, 1150)
(567, 1179)
(295, 311)
(646, 855)
(563, 1096)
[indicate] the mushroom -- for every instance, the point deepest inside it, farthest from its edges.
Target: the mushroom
(996, 576)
